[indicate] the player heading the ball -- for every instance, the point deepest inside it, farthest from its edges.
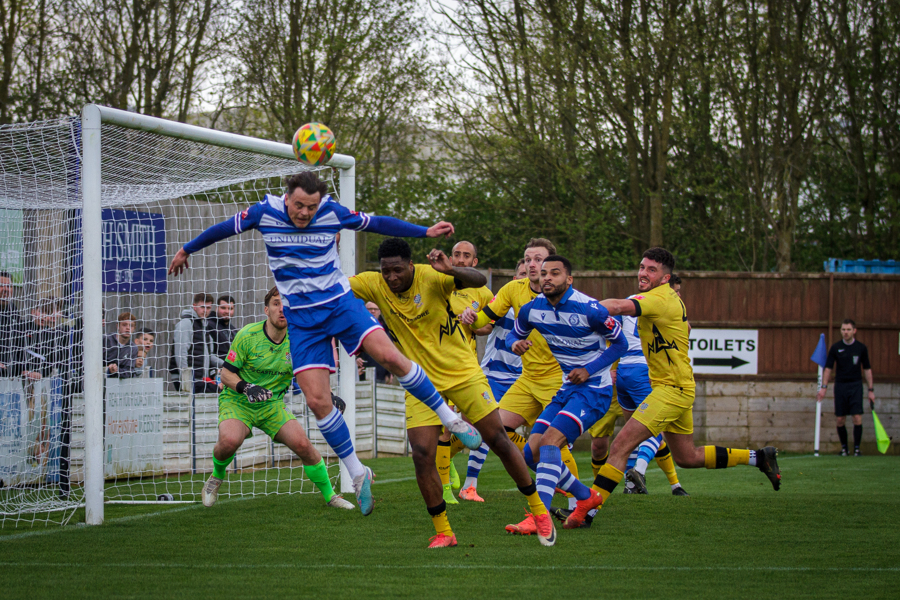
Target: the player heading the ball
(300, 231)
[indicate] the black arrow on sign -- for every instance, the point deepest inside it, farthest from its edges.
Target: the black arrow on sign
(734, 362)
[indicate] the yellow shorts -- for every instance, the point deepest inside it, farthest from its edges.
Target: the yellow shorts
(605, 426)
(528, 397)
(667, 408)
(473, 398)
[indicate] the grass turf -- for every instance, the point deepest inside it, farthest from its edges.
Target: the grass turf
(829, 533)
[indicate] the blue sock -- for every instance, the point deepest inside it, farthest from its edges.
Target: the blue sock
(420, 387)
(548, 473)
(631, 458)
(570, 483)
(334, 430)
(529, 458)
(476, 461)
(648, 449)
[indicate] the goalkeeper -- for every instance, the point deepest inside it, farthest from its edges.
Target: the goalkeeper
(256, 374)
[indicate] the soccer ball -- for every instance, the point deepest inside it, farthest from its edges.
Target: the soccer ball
(313, 144)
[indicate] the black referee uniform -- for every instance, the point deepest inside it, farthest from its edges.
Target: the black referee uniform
(847, 361)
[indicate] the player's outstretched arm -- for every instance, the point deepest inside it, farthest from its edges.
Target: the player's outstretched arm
(464, 277)
(218, 232)
(618, 307)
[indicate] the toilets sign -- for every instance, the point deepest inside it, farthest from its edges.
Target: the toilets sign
(724, 351)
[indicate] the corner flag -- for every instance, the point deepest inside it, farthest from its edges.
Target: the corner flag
(881, 437)
(821, 353)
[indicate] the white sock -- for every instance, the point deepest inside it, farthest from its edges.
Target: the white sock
(640, 465)
(593, 512)
(752, 462)
(675, 486)
(354, 467)
(573, 502)
(446, 414)
(470, 482)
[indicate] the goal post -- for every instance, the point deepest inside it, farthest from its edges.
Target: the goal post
(88, 192)
(93, 116)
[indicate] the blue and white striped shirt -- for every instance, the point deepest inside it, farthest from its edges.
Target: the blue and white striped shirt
(635, 353)
(576, 329)
(498, 363)
(305, 260)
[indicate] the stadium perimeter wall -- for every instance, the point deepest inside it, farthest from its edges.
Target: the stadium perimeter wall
(789, 310)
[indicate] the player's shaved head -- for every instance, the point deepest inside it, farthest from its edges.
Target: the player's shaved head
(464, 254)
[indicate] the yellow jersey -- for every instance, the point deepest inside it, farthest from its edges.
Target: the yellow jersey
(538, 362)
(422, 324)
(663, 329)
(474, 298)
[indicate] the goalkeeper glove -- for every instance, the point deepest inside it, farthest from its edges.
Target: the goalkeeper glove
(256, 393)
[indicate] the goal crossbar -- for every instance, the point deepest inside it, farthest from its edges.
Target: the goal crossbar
(93, 116)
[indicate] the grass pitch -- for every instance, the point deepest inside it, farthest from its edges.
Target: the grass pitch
(829, 533)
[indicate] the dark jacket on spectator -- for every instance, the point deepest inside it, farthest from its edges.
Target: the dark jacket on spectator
(122, 355)
(223, 333)
(192, 349)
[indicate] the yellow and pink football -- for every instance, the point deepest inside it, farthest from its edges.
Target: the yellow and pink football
(313, 144)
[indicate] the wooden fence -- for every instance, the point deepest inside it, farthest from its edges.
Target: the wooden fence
(790, 310)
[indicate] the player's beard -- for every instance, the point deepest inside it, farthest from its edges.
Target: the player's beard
(558, 290)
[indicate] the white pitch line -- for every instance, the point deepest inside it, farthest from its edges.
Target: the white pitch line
(79, 526)
(357, 567)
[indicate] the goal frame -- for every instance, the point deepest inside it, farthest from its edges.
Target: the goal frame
(92, 117)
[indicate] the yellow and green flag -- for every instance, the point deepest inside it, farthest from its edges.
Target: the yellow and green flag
(881, 436)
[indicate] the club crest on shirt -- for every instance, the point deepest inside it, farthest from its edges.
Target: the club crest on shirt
(573, 320)
(287, 357)
(417, 300)
(855, 360)
(475, 305)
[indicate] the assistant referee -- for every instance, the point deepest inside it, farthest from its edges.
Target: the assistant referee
(850, 355)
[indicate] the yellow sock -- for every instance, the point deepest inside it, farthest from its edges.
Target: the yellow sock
(718, 457)
(536, 504)
(569, 460)
(665, 462)
(443, 462)
(607, 480)
(596, 465)
(442, 523)
(517, 439)
(456, 446)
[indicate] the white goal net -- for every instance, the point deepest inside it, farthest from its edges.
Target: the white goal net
(158, 421)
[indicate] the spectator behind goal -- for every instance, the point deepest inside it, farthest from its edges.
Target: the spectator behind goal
(223, 331)
(120, 355)
(193, 350)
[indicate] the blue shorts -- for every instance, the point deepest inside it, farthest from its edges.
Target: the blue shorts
(498, 388)
(632, 385)
(574, 409)
(311, 330)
